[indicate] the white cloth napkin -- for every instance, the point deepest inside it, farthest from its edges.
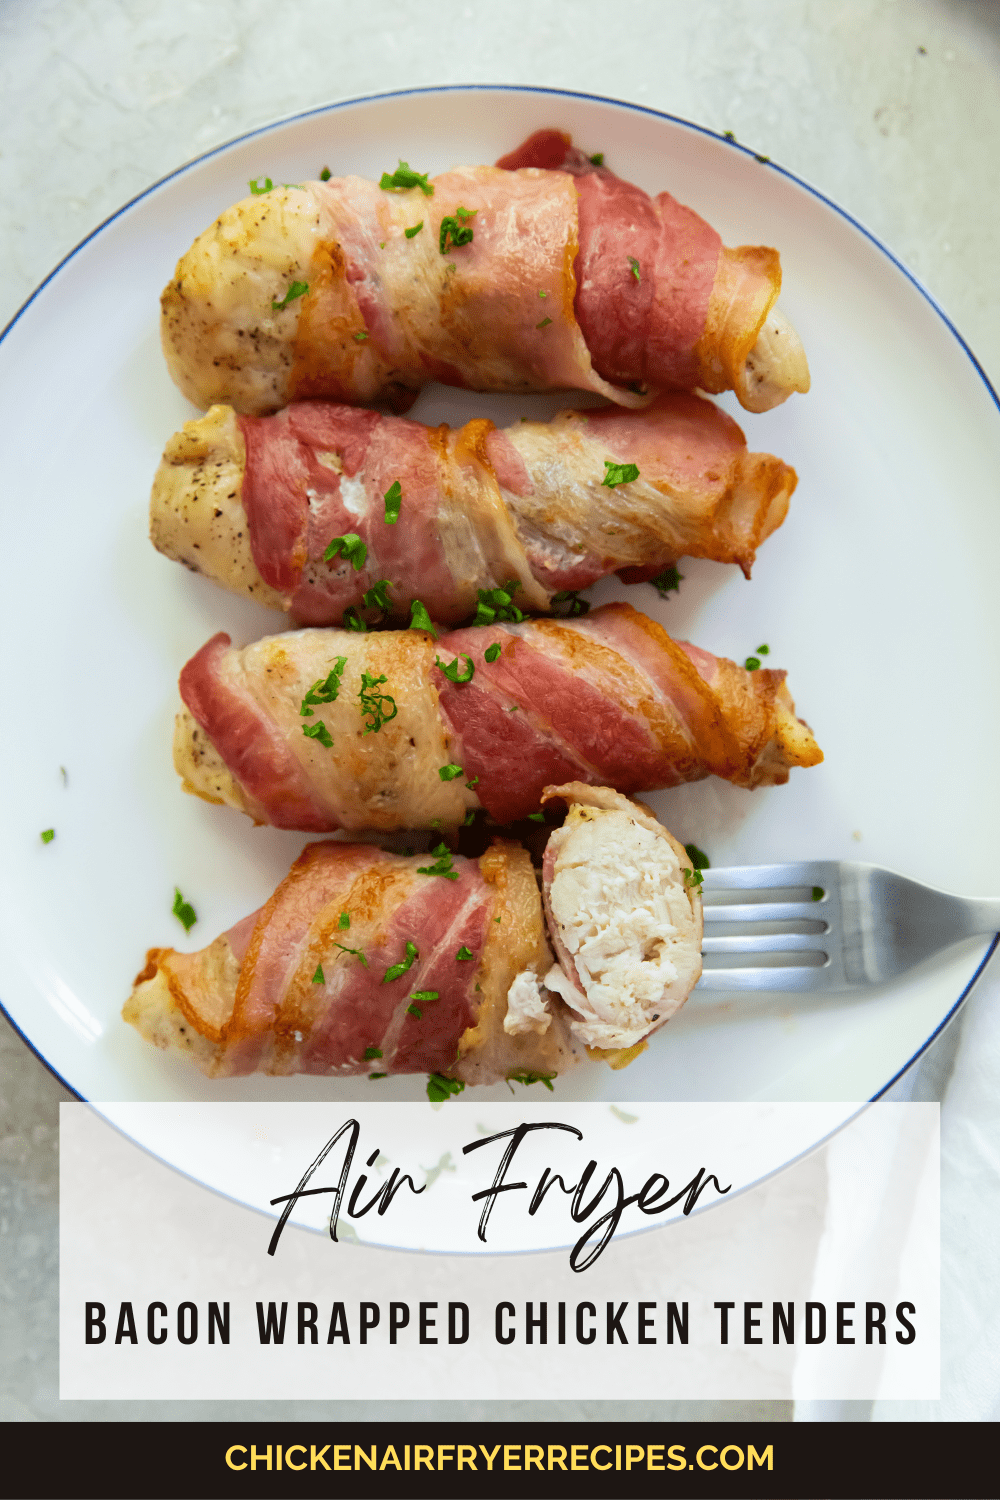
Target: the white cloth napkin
(970, 1218)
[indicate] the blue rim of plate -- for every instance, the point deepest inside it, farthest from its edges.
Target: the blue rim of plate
(638, 109)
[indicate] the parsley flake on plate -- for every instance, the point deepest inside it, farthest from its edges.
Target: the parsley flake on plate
(183, 911)
(697, 856)
(372, 1052)
(634, 267)
(544, 323)
(47, 835)
(597, 160)
(463, 955)
(498, 604)
(325, 175)
(440, 1088)
(538, 817)
(296, 290)
(450, 772)
(405, 177)
(256, 188)
(492, 652)
(413, 230)
(618, 473)
(527, 1078)
(752, 663)
(571, 599)
(361, 335)
(319, 977)
(351, 620)
(693, 879)
(667, 582)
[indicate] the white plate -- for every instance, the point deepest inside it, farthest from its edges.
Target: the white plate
(878, 595)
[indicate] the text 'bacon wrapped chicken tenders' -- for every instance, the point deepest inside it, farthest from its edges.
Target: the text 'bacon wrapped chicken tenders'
(529, 279)
(326, 729)
(368, 963)
(314, 508)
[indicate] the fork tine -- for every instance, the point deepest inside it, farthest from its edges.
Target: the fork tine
(823, 872)
(766, 980)
(767, 911)
(770, 942)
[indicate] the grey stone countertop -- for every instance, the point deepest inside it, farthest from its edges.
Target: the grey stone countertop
(890, 107)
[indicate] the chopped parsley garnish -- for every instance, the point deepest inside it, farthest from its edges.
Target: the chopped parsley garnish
(372, 1052)
(183, 911)
(453, 233)
(729, 135)
(544, 323)
(538, 817)
(256, 188)
(472, 783)
(325, 175)
(571, 598)
(414, 1010)
(393, 499)
(361, 335)
(318, 731)
(450, 772)
(405, 177)
(377, 597)
(541, 294)
(372, 1076)
(618, 473)
(498, 604)
(398, 970)
(420, 619)
(324, 689)
(351, 620)
(373, 703)
(528, 1078)
(463, 955)
(693, 879)
(440, 1088)
(453, 671)
(492, 652)
(297, 289)
(470, 816)
(764, 159)
(48, 834)
(345, 921)
(355, 952)
(351, 547)
(319, 977)
(818, 893)
(414, 229)
(634, 266)
(425, 995)
(697, 856)
(752, 663)
(667, 582)
(597, 160)
(763, 650)
(441, 865)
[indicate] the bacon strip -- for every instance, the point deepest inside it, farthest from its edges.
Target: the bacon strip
(606, 699)
(478, 507)
(543, 296)
(292, 999)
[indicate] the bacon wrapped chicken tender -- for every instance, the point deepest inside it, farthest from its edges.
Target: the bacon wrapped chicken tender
(326, 729)
(368, 963)
(518, 277)
(258, 503)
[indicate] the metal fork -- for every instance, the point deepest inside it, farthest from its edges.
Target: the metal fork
(826, 925)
